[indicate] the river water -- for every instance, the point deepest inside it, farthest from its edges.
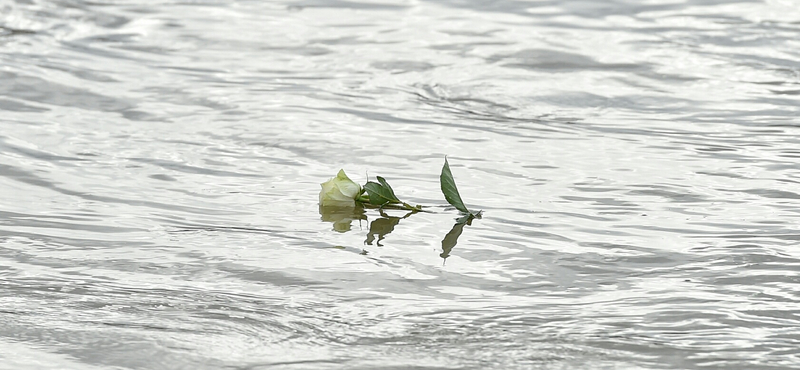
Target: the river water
(636, 162)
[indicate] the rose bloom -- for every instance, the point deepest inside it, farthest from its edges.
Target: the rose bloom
(339, 191)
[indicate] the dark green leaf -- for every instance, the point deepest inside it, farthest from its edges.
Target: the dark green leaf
(387, 187)
(449, 188)
(379, 194)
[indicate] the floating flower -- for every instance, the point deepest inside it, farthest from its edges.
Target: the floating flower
(339, 191)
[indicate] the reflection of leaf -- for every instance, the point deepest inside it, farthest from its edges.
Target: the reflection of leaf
(451, 239)
(380, 194)
(449, 189)
(341, 217)
(383, 226)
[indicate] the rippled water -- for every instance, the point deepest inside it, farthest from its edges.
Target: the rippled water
(637, 164)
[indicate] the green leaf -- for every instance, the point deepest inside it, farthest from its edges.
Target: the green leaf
(380, 194)
(387, 187)
(449, 188)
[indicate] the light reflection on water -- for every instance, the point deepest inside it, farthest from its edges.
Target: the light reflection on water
(160, 164)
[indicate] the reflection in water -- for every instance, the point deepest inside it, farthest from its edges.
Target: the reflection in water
(378, 229)
(383, 226)
(451, 239)
(342, 217)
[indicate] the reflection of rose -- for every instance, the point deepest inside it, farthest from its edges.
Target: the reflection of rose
(342, 217)
(339, 191)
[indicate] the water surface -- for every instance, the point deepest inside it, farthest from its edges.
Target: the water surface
(636, 164)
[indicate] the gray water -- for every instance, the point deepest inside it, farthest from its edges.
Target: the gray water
(636, 162)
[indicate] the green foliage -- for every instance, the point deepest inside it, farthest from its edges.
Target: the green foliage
(380, 193)
(388, 188)
(450, 190)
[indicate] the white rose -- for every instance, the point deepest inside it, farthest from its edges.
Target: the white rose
(339, 191)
